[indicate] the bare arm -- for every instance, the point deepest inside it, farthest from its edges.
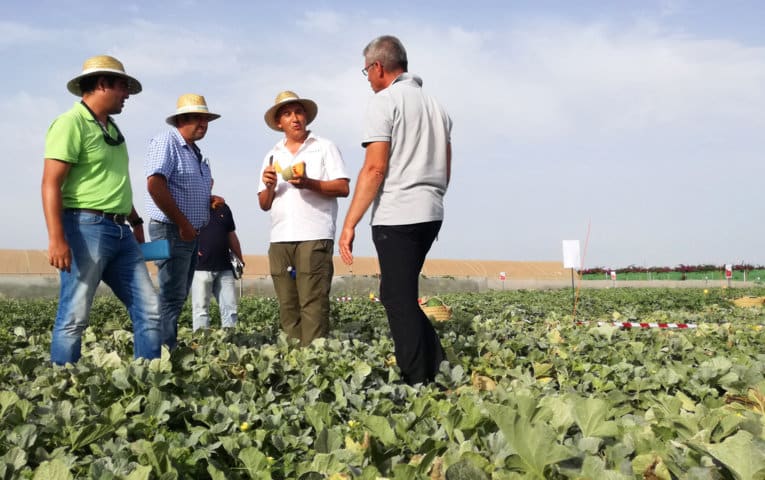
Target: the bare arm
(331, 188)
(160, 193)
(233, 243)
(266, 197)
(370, 178)
(54, 174)
(138, 229)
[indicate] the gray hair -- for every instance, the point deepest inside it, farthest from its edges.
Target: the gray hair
(389, 51)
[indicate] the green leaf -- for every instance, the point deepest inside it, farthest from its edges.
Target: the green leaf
(88, 433)
(560, 414)
(141, 472)
(55, 469)
(23, 436)
(534, 445)
(380, 428)
(255, 463)
(16, 457)
(742, 454)
(215, 474)
(318, 415)
(595, 468)
(465, 470)
(604, 331)
(650, 465)
(109, 360)
(163, 363)
(361, 369)
(590, 415)
(120, 379)
(471, 416)
(323, 463)
(328, 440)
(7, 400)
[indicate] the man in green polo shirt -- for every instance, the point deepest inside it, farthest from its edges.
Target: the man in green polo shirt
(87, 199)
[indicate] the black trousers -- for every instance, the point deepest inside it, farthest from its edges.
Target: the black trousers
(401, 251)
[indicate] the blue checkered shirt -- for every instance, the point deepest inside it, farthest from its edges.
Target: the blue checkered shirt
(188, 178)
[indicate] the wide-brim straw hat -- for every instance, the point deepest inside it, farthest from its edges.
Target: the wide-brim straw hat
(284, 98)
(191, 103)
(103, 65)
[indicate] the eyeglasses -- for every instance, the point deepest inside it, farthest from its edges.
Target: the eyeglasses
(114, 142)
(365, 70)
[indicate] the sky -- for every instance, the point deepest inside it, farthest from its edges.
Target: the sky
(635, 127)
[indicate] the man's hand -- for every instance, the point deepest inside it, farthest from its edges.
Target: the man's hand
(59, 255)
(187, 231)
(269, 176)
(346, 245)
(216, 201)
(138, 233)
(301, 182)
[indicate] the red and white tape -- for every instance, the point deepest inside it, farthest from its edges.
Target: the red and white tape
(641, 324)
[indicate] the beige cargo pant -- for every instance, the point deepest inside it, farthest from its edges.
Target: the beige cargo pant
(304, 296)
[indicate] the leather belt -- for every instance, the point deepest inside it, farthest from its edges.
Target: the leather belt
(118, 218)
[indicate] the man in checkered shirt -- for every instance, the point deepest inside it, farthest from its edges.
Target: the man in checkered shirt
(178, 203)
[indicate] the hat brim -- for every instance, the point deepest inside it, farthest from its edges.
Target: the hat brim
(311, 110)
(210, 116)
(134, 86)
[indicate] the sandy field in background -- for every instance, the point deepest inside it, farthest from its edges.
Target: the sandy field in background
(35, 262)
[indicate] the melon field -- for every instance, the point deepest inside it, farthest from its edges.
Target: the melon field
(530, 392)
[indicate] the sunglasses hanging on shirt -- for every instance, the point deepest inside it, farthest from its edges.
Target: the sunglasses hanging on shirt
(114, 142)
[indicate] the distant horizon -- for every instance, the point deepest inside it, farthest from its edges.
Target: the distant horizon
(363, 259)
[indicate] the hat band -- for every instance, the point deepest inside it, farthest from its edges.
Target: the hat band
(103, 70)
(193, 108)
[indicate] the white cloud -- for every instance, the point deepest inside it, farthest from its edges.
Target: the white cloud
(323, 21)
(13, 34)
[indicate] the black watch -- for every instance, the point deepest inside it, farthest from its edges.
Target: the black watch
(136, 222)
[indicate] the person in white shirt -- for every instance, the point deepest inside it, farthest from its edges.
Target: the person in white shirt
(301, 178)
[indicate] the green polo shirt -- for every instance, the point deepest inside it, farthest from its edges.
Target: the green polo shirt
(99, 177)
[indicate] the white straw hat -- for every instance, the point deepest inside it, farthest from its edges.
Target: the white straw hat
(105, 65)
(284, 98)
(191, 103)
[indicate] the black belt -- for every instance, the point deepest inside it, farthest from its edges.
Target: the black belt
(118, 218)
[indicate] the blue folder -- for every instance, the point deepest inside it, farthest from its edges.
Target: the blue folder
(156, 250)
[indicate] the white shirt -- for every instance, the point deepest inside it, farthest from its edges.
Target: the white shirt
(300, 214)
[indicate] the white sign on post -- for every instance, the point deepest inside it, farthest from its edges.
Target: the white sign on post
(571, 258)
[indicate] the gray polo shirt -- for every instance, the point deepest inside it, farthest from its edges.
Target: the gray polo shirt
(419, 130)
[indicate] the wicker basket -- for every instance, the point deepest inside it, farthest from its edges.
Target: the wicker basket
(440, 313)
(749, 301)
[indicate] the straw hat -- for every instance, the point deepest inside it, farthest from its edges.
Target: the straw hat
(284, 98)
(191, 103)
(103, 64)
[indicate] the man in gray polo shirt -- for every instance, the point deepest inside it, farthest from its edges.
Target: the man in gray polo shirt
(407, 136)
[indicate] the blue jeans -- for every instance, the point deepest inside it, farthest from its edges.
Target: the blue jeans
(205, 285)
(103, 250)
(175, 275)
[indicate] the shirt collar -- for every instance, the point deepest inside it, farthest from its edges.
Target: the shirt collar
(83, 112)
(309, 139)
(408, 77)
